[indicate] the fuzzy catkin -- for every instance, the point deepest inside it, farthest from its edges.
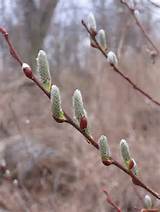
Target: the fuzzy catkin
(104, 148)
(43, 70)
(56, 102)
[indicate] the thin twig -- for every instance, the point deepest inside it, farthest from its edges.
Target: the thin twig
(69, 120)
(109, 200)
(140, 26)
(136, 180)
(11, 48)
(118, 71)
(155, 3)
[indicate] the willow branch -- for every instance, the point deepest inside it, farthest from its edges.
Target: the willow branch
(155, 3)
(12, 50)
(69, 120)
(141, 27)
(118, 71)
(110, 201)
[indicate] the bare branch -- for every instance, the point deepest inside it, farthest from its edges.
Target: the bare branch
(141, 27)
(156, 3)
(118, 71)
(109, 200)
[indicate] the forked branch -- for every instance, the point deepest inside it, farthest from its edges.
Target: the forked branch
(110, 201)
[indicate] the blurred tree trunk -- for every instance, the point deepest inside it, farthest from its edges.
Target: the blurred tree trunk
(37, 19)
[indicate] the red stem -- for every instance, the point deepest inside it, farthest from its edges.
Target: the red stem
(141, 27)
(11, 48)
(136, 180)
(117, 70)
(109, 200)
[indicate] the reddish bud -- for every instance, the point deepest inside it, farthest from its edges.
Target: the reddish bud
(93, 45)
(107, 162)
(7, 174)
(131, 164)
(93, 32)
(3, 166)
(83, 123)
(3, 31)
(27, 70)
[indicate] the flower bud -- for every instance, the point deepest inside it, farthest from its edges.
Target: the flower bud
(91, 23)
(147, 202)
(83, 123)
(79, 110)
(112, 58)
(101, 38)
(104, 148)
(43, 70)
(27, 70)
(7, 174)
(136, 13)
(132, 166)
(56, 103)
(80, 113)
(3, 163)
(125, 152)
(15, 182)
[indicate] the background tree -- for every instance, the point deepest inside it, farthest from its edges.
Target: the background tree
(37, 16)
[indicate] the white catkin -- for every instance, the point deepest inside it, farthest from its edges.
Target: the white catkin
(56, 102)
(25, 65)
(125, 151)
(91, 22)
(147, 202)
(104, 148)
(101, 38)
(43, 70)
(112, 58)
(79, 110)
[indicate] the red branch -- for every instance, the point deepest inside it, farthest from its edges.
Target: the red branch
(140, 26)
(109, 200)
(118, 71)
(11, 48)
(135, 179)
